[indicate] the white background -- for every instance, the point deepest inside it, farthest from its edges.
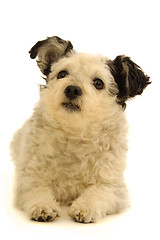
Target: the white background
(110, 28)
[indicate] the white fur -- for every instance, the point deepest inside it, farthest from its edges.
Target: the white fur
(73, 158)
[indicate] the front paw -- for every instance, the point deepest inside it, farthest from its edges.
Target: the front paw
(83, 214)
(44, 214)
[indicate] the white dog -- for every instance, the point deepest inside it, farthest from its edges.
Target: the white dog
(72, 150)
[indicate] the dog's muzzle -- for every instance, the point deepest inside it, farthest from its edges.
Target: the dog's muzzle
(72, 92)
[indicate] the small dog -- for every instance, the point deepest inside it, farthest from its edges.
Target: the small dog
(72, 150)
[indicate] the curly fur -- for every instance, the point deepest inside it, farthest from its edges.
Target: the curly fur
(73, 158)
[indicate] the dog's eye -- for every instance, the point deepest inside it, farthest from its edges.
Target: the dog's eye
(62, 74)
(98, 83)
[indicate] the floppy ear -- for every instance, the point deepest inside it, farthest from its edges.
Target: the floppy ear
(130, 78)
(49, 51)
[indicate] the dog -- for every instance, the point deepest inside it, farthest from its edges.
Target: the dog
(72, 150)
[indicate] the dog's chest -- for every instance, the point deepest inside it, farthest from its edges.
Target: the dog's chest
(72, 148)
(72, 161)
(70, 167)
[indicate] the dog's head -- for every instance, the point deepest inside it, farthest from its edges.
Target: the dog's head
(81, 84)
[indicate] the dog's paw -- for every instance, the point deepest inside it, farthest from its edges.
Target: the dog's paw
(44, 214)
(82, 214)
(83, 217)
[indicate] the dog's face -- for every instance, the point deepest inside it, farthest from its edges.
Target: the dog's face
(78, 88)
(82, 88)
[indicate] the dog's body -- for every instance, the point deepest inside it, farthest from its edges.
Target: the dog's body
(72, 151)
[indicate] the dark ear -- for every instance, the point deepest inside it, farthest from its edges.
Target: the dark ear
(130, 78)
(49, 51)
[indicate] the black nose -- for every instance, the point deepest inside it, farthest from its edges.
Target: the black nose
(72, 92)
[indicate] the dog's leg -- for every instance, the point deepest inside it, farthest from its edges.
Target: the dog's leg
(39, 204)
(96, 202)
